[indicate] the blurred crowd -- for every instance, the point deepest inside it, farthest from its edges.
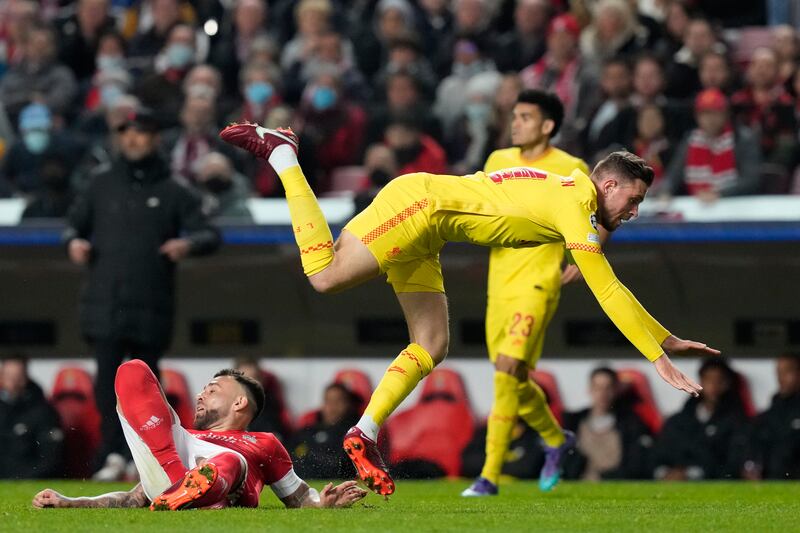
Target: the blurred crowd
(620, 434)
(708, 95)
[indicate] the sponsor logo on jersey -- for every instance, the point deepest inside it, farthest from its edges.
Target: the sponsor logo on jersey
(593, 237)
(567, 181)
(593, 220)
(250, 438)
(517, 173)
(152, 423)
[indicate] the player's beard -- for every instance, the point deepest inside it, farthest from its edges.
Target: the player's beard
(206, 419)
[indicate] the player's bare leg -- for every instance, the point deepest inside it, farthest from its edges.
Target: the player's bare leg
(427, 319)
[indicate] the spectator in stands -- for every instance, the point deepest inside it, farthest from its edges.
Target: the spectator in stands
(313, 18)
(775, 448)
(718, 158)
(225, 191)
(161, 89)
(524, 458)
(787, 50)
(715, 72)
(40, 146)
(651, 142)
(704, 440)
(79, 36)
(274, 417)
(472, 19)
(469, 140)
(108, 85)
(380, 167)
(612, 442)
(766, 108)
(316, 449)
(231, 50)
(196, 137)
(413, 150)
(30, 434)
(406, 55)
(148, 27)
(205, 80)
(676, 20)
(562, 71)
(435, 22)
(469, 62)
(262, 91)
(131, 226)
(614, 99)
(525, 44)
(16, 20)
(613, 33)
(331, 127)
(683, 80)
(38, 76)
(504, 101)
(393, 19)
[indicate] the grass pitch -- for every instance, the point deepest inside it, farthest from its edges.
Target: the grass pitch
(424, 506)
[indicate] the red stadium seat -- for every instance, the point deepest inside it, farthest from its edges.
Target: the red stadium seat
(358, 383)
(437, 428)
(73, 398)
(178, 395)
(636, 387)
(348, 179)
(743, 388)
(549, 385)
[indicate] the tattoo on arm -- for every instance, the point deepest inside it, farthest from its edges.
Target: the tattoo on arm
(298, 498)
(132, 498)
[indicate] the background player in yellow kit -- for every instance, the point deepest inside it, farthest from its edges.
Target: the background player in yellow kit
(402, 231)
(522, 296)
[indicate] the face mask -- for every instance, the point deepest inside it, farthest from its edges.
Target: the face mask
(36, 141)
(323, 98)
(110, 63)
(477, 112)
(258, 92)
(179, 55)
(379, 177)
(203, 90)
(218, 184)
(109, 94)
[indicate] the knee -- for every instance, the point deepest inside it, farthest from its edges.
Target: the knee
(436, 346)
(133, 371)
(511, 366)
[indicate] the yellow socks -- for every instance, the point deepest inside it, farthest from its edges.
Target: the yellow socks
(402, 376)
(500, 424)
(311, 230)
(533, 409)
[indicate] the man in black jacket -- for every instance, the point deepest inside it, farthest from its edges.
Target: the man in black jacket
(30, 435)
(130, 227)
(775, 447)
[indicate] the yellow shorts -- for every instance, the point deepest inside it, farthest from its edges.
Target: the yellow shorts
(515, 327)
(396, 228)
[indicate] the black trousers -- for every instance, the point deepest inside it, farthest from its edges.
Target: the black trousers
(109, 354)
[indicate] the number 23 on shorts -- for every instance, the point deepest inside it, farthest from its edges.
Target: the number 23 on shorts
(521, 325)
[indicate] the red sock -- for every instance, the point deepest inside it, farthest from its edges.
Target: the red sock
(229, 471)
(142, 404)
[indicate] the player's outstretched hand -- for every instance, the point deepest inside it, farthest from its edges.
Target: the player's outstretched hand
(675, 377)
(676, 346)
(343, 495)
(49, 498)
(570, 274)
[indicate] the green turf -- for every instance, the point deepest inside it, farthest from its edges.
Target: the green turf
(420, 507)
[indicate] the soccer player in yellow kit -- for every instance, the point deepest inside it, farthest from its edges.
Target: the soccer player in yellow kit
(523, 293)
(402, 231)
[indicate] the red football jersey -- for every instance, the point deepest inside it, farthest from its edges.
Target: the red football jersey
(267, 460)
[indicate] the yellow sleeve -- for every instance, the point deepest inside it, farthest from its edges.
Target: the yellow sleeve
(618, 303)
(583, 167)
(491, 163)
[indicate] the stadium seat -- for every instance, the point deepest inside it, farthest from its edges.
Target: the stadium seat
(743, 388)
(549, 385)
(437, 428)
(636, 389)
(358, 383)
(352, 179)
(73, 398)
(178, 395)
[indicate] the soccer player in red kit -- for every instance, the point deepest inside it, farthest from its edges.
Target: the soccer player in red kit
(219, 464)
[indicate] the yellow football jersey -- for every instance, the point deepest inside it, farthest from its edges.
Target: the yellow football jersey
(515, 272)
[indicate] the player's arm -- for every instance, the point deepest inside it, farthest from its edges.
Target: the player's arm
(627, 314)
(572, 273)
(343, 495)
(132, 499)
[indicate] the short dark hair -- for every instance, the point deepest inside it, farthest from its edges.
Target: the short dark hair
(718, 363)
(794, 357)
(254, 390)
(548, 103)
(604, 370)
(626, 164)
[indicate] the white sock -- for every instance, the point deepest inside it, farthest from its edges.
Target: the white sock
(283, 157)
(369, 427)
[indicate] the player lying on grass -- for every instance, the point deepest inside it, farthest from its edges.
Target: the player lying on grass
(219, 464)
(402, 231)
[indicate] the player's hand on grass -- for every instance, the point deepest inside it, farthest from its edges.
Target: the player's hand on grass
(50, 498)
(676, 346)
(343, 495)
(675, 377)
(571, 273)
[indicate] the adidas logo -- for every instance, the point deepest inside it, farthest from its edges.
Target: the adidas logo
(154, 422)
